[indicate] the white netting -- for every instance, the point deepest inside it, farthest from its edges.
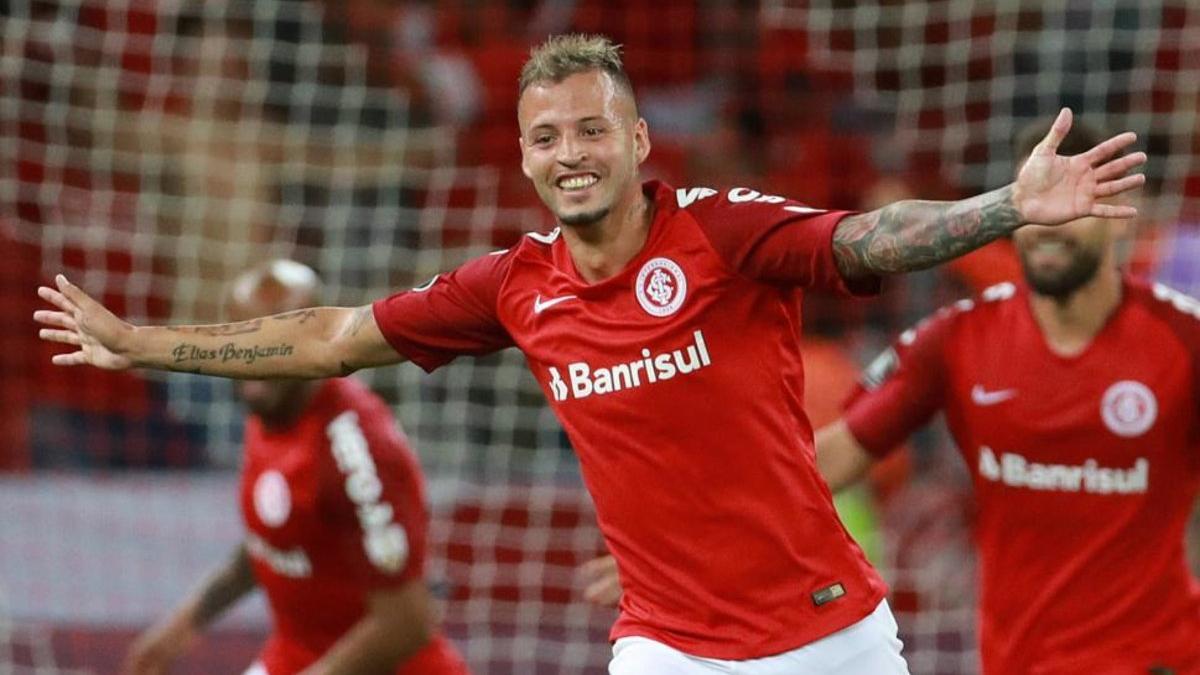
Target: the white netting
(963, 77)
(163, 147)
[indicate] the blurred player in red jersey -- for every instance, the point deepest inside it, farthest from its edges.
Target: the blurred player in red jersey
(662, 325)
(334, 506)
(1075, 400)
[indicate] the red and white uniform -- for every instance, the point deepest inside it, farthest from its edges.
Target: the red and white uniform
(1085, 470)
(679, 383)
(334, 508)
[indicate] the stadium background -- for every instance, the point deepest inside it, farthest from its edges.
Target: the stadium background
(150, 150)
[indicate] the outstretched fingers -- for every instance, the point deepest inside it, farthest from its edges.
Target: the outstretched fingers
(56, 319)
(73, 359)
(1116, 187)
(1101, 210)
(1109, 148)
(1058, 131)
(57, 299)
(1119, 166)
(68, 337)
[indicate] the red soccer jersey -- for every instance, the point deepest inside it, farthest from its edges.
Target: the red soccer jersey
(679, 383)
(1084, 468)
(334, 508)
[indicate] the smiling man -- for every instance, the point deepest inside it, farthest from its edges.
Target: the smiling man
(662, 324)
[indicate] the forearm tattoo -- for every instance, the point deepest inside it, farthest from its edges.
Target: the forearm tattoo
(913, 235)
(185, 352)
(221, 330)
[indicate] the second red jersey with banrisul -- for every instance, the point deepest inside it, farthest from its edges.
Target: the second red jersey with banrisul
(1085, 470)
(679, 383)
(334, 508)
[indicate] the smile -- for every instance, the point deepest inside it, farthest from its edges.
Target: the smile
(577, 182)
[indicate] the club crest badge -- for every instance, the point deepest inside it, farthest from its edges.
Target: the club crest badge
(1129, 408)
(661, 287)
(272, 499)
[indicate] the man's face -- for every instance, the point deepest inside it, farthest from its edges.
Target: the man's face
(1059, 260)
(581, 144)
(277, 402)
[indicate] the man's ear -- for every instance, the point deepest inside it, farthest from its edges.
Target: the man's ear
(524, 166)
(641, 140)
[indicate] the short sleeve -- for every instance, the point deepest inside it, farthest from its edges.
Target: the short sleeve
(451, 315)
(772, 239)
(373, 482)
(902, 388)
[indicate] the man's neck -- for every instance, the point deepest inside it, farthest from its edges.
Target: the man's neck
(1069, 324)
(294, 409)
(602, 249)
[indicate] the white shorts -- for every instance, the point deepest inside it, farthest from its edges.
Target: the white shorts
(256, 668)
(869, 647)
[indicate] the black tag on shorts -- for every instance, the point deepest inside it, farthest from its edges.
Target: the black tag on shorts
(828, 594)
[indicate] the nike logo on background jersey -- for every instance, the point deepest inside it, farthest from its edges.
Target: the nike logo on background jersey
(540, 305)
(982, 396)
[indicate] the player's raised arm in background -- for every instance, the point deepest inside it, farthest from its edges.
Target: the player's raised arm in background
(308, 343)
(1051, 189)
(155, 649)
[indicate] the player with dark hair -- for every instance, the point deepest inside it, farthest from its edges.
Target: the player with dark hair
(334, 507)
(662, 324)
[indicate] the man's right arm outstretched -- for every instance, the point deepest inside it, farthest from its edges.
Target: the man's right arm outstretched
(308, 343)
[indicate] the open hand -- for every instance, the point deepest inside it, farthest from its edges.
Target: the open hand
(1052, 189)
(84, 323)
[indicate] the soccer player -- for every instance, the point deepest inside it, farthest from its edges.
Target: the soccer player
(334, 507)
(662, 325)
(1074, 399)
(1083, 446)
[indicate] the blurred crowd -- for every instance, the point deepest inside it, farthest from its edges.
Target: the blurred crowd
(165, 146)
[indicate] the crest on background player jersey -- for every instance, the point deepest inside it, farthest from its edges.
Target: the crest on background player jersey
(661, 287)
(1129, 408)
(272, 499)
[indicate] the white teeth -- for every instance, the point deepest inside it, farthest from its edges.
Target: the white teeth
(577, 182)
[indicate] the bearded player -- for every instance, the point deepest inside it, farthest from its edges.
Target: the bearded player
(1075, 401)
(334, 507)
(662, 325)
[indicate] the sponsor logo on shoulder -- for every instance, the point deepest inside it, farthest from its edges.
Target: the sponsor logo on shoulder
(384, 541)
(540, 305)
(1129, 408)
(880, 369)
(582, 380)
(1016, 470)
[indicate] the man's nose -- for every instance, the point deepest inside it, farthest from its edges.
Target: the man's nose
(570, 152)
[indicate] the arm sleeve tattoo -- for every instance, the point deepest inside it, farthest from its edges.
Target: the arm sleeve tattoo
(913, 235)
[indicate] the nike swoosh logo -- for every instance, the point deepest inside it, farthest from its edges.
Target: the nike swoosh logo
(540, 305)
(984, 397)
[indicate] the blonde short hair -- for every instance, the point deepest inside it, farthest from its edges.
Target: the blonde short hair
(561, 56)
